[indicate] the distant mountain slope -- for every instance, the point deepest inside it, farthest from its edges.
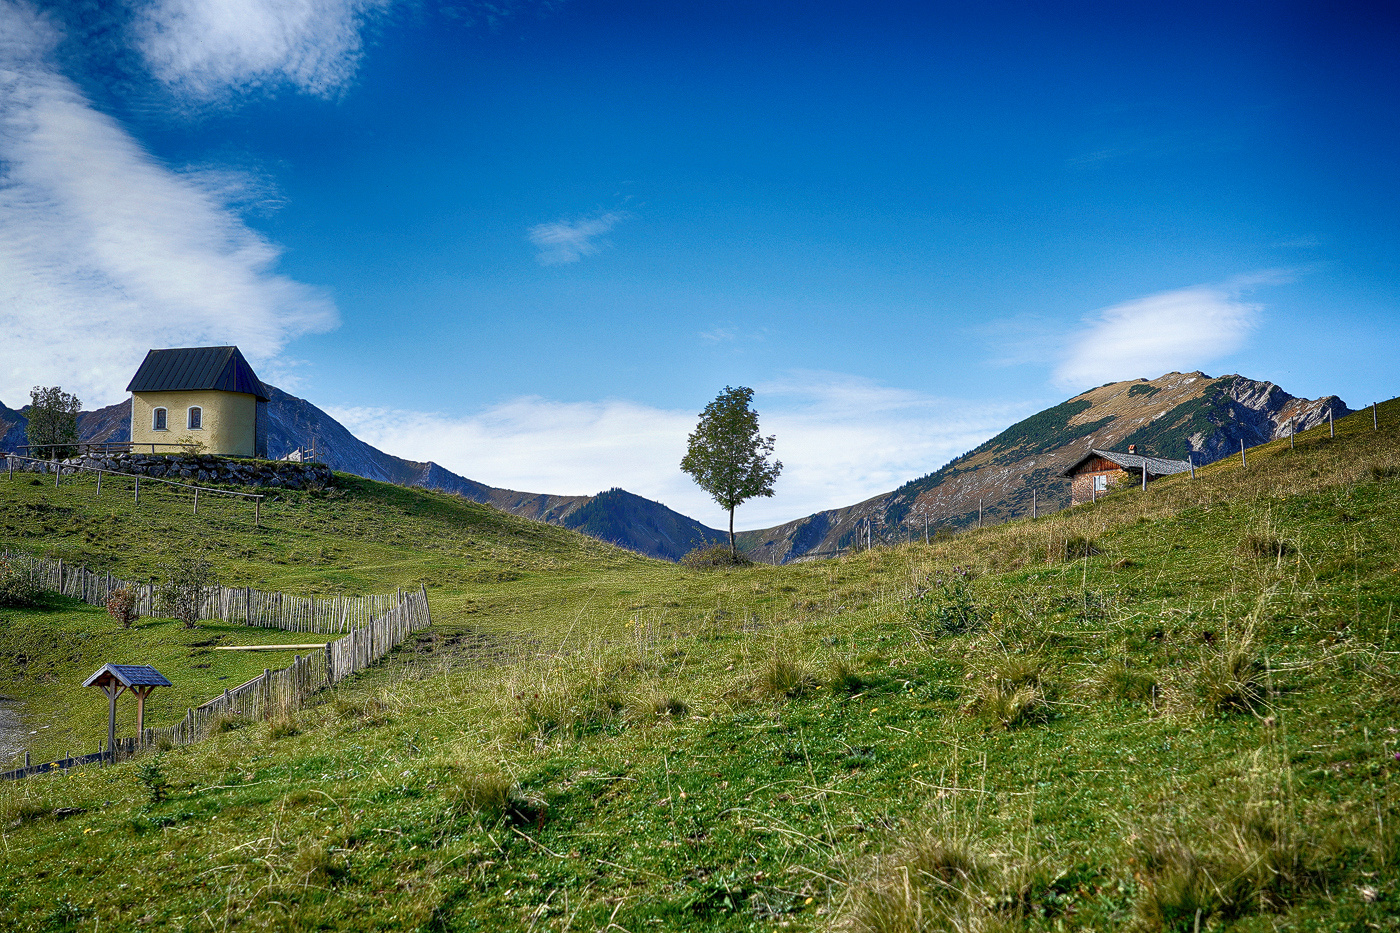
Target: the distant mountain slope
(1170, 416)
(619, 516)
(616, 516)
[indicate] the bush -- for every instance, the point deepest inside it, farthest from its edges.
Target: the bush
(153, 779)
(121, 606)
(713, 558)
(16, 592)
(187, 581)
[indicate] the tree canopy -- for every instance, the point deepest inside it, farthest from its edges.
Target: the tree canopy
(726, 455)
(53, 419)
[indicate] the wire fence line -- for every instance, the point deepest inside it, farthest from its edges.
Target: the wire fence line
(242, 605)
(273, 693)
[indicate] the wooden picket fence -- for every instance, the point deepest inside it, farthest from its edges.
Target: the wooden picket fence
(242, 605)
(278, 693)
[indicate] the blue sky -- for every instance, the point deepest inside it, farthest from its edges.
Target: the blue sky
(531, 240)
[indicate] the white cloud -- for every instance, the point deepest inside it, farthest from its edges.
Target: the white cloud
(206, 49)
(1176, 330)
(563, 241)
(105, 252)
(841, 439)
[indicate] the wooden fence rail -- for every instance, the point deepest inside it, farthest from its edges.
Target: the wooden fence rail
(278, 693)
(332, 615)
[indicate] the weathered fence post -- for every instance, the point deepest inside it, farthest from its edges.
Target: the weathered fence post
(1190, 458)
(1243, 462)
(137, 495)
(1330, 426)
(196, 500)
(99, 482)
(1375, 419)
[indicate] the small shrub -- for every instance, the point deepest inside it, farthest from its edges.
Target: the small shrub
(152, 777)
(1259, 859)
(491, 795)
(121, 606)
(713, 558)
(781, 676)
(188, 580)
(16, 591)
(948, 609)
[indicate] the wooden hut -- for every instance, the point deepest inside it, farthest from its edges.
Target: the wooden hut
(1099, 471)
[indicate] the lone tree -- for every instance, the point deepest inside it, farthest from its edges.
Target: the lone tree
(188, 580)
(727, 457)
(53, 420)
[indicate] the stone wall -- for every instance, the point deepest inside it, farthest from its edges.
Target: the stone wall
(195, 469)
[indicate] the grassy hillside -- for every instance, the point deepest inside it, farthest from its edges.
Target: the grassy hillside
(1169, 710)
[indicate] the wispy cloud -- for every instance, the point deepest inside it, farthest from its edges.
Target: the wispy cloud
(1181, 330)
(563, 241)
(841, 439)
(106, 252)
(208, 49)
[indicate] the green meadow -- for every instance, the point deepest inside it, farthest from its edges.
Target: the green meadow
(1176, 709)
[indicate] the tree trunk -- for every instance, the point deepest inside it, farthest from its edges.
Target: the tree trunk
(733, 548)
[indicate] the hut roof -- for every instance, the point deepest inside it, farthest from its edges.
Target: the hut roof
(128, 675)
(1155, 466)
(187, 368)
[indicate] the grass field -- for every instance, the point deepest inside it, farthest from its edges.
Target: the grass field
(1171, 710)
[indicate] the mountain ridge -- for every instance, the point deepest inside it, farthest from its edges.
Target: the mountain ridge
(1174, 415)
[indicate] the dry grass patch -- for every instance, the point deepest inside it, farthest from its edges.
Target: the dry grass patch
(1016, 692)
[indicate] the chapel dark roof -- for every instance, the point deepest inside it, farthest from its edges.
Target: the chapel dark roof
(221, 368)
(128, 675)
(1155, 466)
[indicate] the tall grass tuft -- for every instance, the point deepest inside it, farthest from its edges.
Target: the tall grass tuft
(1016, 692)
(930, 882)
(785, 677)
(1231, 676)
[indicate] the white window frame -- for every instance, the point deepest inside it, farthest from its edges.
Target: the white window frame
(160, 419)
(190, 418)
